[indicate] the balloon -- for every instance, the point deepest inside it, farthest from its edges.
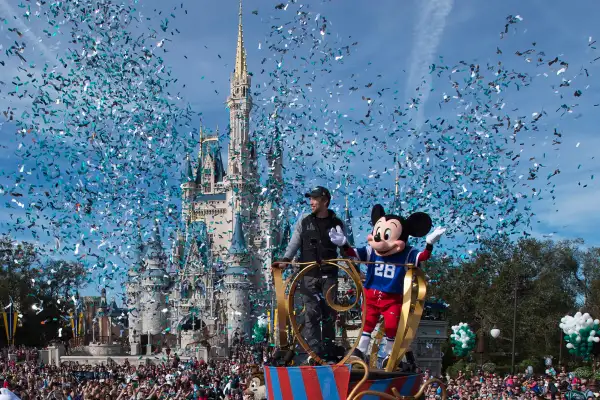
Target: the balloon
(495, 333)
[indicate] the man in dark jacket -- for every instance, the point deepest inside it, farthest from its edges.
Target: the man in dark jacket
(311, 237)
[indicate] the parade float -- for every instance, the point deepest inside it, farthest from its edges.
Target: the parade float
(351, 378)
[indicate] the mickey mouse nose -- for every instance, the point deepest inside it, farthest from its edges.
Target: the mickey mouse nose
(377, 238)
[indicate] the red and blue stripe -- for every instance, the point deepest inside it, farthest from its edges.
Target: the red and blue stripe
(407, 385)
(307, 383)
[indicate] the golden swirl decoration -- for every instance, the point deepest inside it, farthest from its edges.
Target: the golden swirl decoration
(282, 311)
(353, 274)
(409, 321)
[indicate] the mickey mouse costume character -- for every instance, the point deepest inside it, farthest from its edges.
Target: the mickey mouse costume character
(384, 283)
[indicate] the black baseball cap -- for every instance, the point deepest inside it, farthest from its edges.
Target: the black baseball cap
(318, 191)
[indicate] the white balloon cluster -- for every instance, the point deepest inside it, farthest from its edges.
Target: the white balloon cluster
(573, 325)
(263, 321)
(461, 335)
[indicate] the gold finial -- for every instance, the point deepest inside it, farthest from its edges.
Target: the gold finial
(241, 70)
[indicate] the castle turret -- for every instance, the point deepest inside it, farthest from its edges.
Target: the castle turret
(242, 177)
(154, 282)
(396, 207)
(188, 189)
(133, 291)
(177, 252)
(238, 284)
(272, 204)
(210, 173)
(348, 223)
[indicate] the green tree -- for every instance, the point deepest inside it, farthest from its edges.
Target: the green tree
(38, 291)
(545, 277)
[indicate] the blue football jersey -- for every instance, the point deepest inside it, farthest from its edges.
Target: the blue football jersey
(388, 278)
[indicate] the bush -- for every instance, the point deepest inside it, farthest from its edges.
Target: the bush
(454, 368)
(597, 376)
(583, 372)
(471, 367)
(489, 367)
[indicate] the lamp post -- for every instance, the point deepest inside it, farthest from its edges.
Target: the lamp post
(495, 333)
(514, 335)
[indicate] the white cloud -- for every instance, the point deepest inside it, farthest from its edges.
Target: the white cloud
(9, 12)
(428, 32)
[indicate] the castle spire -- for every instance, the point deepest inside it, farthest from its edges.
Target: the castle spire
(200, 168)
(397, 203)
(348, 223)
(189, 174)
(241, 68)
(238, 242)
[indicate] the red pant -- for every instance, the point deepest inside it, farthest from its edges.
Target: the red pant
(387, 304)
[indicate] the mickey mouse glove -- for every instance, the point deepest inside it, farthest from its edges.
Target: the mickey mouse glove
(434, 236)
(337, 237)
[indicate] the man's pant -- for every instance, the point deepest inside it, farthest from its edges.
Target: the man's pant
(319, 318)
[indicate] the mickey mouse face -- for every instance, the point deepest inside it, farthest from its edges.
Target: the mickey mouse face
(390, 232)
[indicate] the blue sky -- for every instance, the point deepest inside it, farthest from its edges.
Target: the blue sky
(390, 46)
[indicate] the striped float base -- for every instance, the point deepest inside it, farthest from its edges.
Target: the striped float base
(379, 381)
(332, 382)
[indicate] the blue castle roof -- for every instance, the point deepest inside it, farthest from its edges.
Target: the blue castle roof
(154, 250)
(238, 243)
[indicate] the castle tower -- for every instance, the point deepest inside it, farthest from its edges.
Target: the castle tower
(238, 284)
(272, 201)
(103, 320)
(133, 290)
(188, 189)
(210, 172)
(242, 178)
(227, 201)
(154, 280)
(177, 251)
(396, 207)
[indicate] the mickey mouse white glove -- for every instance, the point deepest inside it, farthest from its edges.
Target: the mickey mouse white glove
(337, 237)
(434, 236)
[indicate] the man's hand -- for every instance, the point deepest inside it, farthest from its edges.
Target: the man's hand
(281, 264)
(434, 236)
(337, 236)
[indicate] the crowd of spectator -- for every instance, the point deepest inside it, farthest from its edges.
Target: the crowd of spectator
(234, 379)
(522, 386)
(168, 378)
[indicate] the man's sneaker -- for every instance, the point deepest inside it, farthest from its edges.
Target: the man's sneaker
(310, 361)
(382, 362)
(360, 355)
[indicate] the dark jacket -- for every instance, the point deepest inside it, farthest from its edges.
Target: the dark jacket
(311, 237)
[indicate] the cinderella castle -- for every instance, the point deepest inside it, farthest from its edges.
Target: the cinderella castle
(217, 280)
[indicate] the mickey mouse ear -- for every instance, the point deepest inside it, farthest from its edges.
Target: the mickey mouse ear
(419, 224)
(377, 213)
